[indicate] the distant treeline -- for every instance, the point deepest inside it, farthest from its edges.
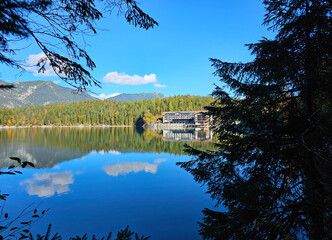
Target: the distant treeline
(101, 112)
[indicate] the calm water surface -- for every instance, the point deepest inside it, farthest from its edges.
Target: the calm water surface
(97, 180)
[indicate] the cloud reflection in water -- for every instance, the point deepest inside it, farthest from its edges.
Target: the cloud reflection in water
(125, 168)
(47, 184)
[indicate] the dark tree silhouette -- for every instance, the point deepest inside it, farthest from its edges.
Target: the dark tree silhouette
(273, 169)
(13, 226)
(55, 26)
(124, 234)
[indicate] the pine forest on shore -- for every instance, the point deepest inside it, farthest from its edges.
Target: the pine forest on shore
(101, 112)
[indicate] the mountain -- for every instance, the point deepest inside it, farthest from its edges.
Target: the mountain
(124, 97)
(38, 93)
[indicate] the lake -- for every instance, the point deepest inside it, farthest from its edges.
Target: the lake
(97, 180)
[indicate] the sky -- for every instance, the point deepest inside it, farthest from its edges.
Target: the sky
(172, 58)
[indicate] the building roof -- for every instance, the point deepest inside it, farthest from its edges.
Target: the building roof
(182, 112)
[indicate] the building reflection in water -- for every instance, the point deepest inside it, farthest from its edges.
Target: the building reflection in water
(188, 135)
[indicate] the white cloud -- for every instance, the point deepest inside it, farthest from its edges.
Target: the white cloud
(125, 168)
(103, 96)
(160, 160)
(32, 62)
(125, 79)
(47, 184)
(158, 85)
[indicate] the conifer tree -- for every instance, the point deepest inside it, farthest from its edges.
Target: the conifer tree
(273, 169)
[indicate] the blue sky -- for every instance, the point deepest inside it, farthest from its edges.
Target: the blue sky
(171, 58)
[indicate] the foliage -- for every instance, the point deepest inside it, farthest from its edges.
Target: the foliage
(21, 227)
(273, 170)
(149, 118)
(47, 235)
(125, 234)
(26, 217)
(99, 112)
(55, 27)
(12, 170)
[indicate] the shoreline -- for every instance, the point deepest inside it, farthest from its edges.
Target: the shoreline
(67, 126)
(150, 126)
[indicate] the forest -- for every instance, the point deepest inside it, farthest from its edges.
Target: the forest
(101, 112)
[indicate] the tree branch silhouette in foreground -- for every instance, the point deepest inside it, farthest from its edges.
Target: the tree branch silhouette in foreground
(56, 27)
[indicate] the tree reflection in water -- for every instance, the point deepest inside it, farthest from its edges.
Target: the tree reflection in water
(46, 147)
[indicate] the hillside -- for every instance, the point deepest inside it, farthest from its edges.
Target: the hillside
(124, 97)
(32, 93)
(101, 112)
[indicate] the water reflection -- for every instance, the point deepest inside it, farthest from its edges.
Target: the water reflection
(125, 168)
(46, 147)
(188, 135)
(160, 160)
(47, 184)
(107, 178)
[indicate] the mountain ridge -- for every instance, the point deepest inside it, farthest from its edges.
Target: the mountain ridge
(40, 92)
(34, 93)
(124, 97)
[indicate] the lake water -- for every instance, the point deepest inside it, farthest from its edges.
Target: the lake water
(97, 180)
